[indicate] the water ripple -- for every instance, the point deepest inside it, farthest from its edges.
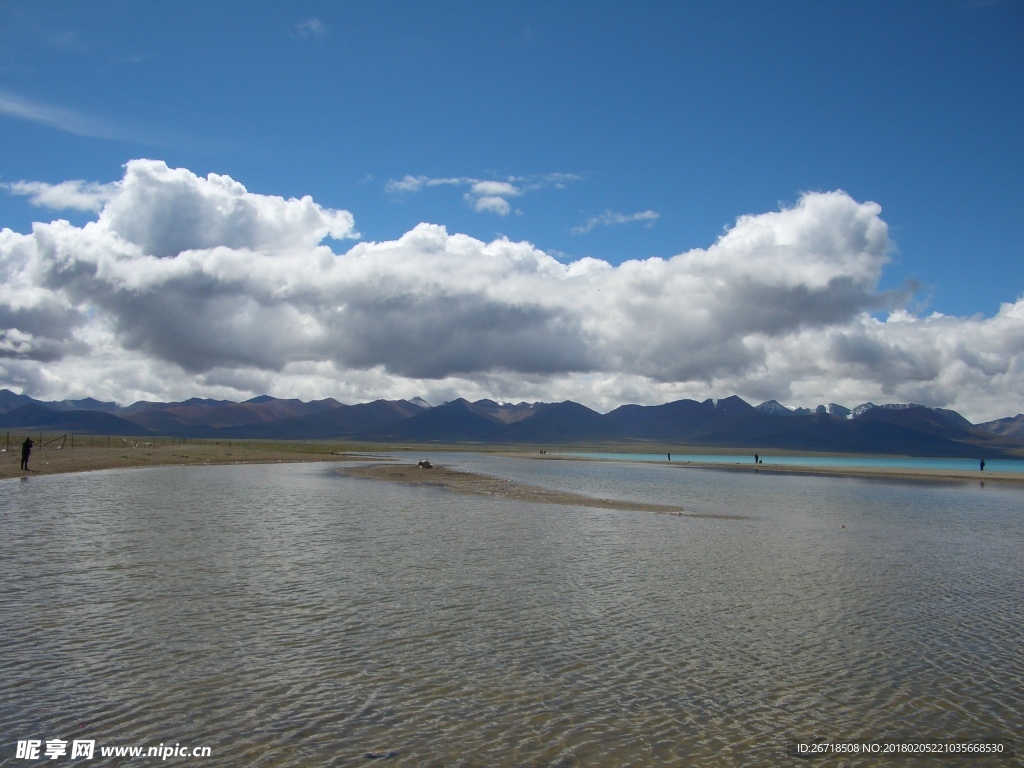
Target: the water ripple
(286, 616)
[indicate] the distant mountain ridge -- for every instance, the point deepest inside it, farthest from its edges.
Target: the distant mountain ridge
(1012, 426)
(895, 428)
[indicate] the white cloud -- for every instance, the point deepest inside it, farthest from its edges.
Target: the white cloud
(165, 211)
(58, 117)
(312, 28)
(608, 218)
(410, 184)
(406, 184)
(484, 195)
(186, 286)
(74, 195)
(495, 189)
(492, 203)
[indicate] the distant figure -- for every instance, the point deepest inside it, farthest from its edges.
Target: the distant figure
(26, 451)
(756, 460)
(982, 465)
(424, 464)
(670, 457)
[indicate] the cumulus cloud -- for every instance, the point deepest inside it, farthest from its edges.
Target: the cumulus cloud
(185, 285)
(165, 211)
(484, 195)
(608, 218)
(77, 195)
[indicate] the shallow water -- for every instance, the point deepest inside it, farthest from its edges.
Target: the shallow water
(287, 616)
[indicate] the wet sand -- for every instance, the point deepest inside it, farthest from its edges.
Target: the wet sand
(894, 473)
(472, 483)
(51, 461)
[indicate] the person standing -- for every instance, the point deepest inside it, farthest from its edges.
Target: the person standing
(982, 465)
(26, 451)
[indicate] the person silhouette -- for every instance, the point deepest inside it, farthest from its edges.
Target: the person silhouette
(982, 464)
(756, 459)
(26, 451)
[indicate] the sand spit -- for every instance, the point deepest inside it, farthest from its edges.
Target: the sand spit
(892, 473)
(899, 473)
(484, 485)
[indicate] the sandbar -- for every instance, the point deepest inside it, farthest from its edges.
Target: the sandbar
(472, 483)
(892, 473)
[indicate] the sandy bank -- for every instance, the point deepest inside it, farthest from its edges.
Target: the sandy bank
(907, 473)
(52, 461)
(485, 485)
(892, 473)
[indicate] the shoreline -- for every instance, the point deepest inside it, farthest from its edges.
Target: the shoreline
(475, 484)
(877, 473)
(50, 461)
(893, 473)
(57, 461)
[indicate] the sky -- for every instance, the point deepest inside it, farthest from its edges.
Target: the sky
(810, 202)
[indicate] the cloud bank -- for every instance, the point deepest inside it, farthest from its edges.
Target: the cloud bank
(188, 286)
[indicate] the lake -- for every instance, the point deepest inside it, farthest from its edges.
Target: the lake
(284, 615)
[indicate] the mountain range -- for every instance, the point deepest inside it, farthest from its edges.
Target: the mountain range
(903, 429)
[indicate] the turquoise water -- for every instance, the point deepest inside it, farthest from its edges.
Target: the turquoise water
(961, 465)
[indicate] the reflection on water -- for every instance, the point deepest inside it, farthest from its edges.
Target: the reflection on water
(287, 616)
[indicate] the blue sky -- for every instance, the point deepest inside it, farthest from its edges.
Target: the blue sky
(620, 130)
